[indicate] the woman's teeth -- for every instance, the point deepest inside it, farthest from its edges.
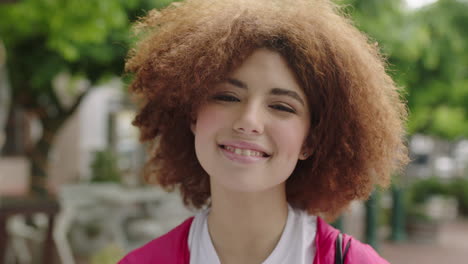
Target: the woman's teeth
(244, 152)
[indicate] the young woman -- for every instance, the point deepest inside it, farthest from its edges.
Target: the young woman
(269, 115)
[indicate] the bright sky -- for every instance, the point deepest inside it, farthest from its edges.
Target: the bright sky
(419, 3)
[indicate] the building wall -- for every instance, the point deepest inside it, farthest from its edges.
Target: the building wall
(84, 133)
(64, 156)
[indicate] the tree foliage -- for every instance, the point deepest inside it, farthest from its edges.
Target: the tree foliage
(427, 50)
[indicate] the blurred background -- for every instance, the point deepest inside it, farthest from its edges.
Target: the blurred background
(71, 189)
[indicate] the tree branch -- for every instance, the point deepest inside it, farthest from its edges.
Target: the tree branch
(78, 100)
(55, 99)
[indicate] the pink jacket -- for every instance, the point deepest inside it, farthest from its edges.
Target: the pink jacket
(173, 248)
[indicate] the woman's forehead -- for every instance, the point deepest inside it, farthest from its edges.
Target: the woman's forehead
(267, 67)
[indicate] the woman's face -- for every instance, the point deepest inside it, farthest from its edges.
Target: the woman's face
(251, 132)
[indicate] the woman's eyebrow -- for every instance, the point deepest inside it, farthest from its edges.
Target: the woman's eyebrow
(290, 93)
(274, 91)
(237, 83)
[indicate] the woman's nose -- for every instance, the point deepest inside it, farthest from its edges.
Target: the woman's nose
(249, 121)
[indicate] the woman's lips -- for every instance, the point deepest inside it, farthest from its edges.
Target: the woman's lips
(241, 158)
(244, 145)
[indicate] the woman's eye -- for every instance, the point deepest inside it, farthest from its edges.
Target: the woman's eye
(283, 108)
(226, 98)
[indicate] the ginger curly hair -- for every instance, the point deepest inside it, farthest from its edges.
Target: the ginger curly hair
(357, 114)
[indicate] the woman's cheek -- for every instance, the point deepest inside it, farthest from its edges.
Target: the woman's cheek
(207, 118)
(290, 137)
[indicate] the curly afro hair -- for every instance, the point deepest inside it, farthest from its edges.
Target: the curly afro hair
(357, 114)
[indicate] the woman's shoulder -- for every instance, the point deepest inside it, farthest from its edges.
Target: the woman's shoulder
(358, 252)
(169, 248)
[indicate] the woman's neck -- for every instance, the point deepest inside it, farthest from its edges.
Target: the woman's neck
(245, 227)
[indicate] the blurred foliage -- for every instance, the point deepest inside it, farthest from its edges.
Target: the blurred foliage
(420, 191)
(418, 194)
(427, 50)
(104, 167)
(85, 38)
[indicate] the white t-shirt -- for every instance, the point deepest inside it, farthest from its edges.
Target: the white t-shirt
(296, 244)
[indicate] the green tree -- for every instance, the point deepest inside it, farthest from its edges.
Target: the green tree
(86, 40)
(427, 52)
(438, 83)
